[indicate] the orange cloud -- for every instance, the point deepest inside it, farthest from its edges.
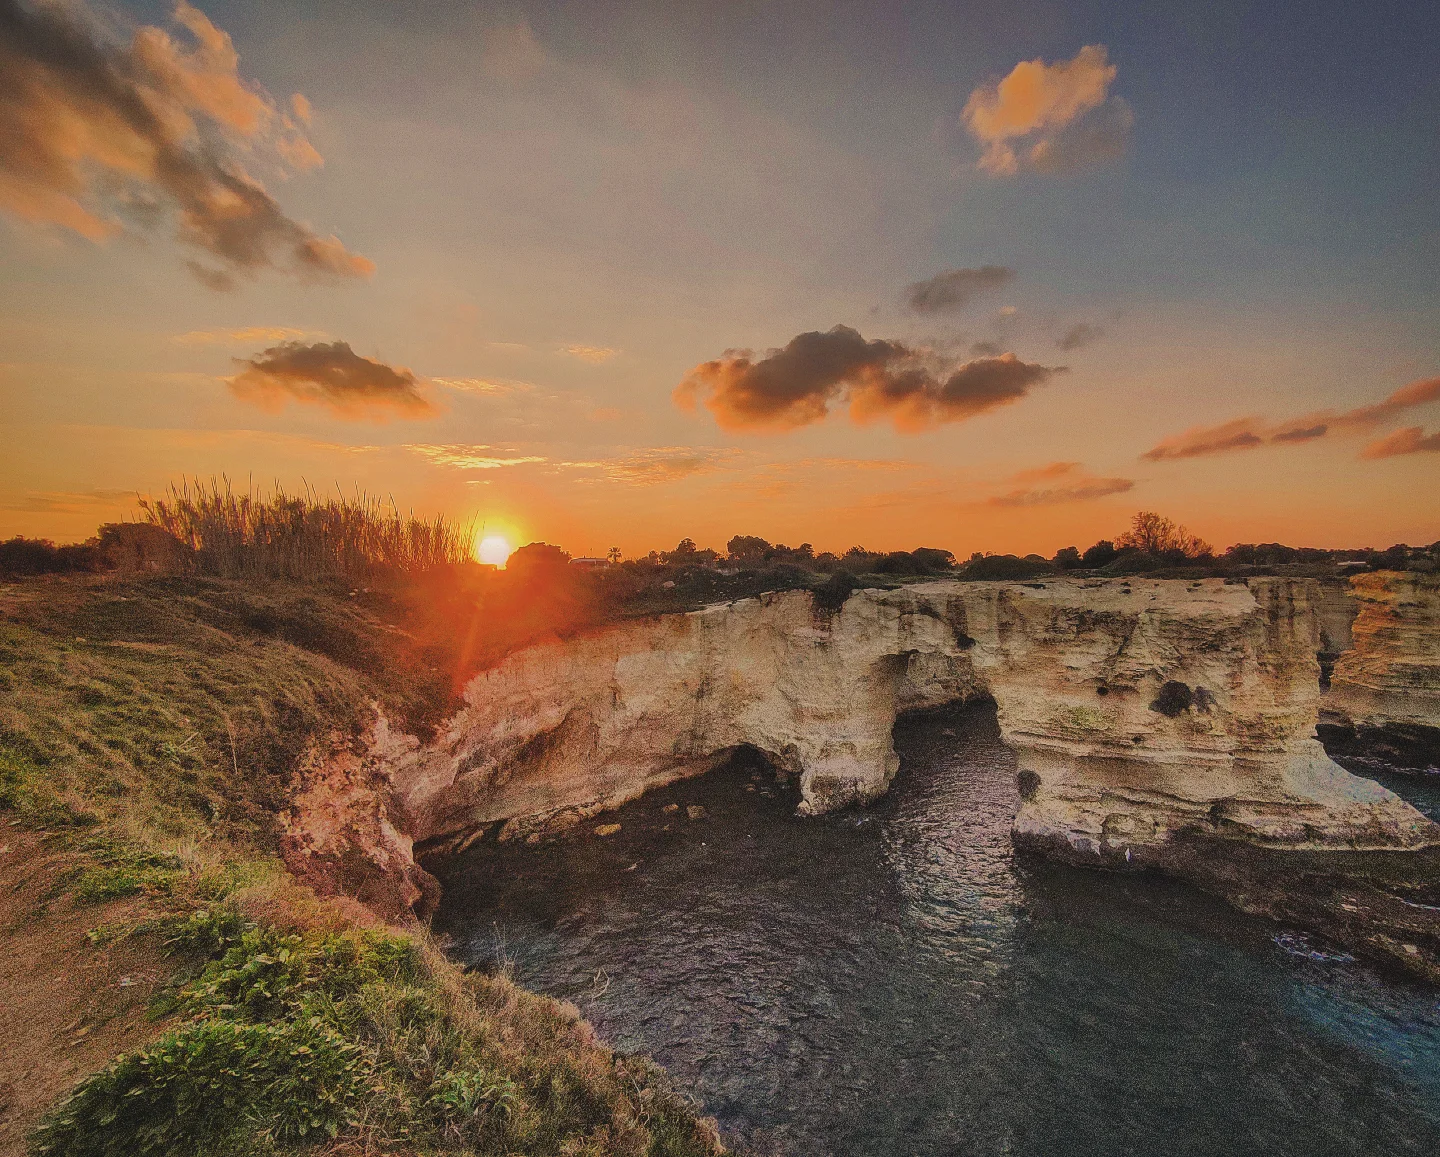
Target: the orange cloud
(660, 464)
(99, 133)
(490, 386)
(248, 335)
(1248, 433)
(471, 457)
(594, 354)
(1064, 109)
(1070, 483)
(795, 386)
(332, 375)
(1411, 440)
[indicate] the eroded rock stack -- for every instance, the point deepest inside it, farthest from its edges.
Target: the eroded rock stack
(1385, 690)
(1139, 709)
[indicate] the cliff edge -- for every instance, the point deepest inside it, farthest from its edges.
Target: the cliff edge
(1139, 709)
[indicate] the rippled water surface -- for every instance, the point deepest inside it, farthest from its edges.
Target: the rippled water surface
(892, 982)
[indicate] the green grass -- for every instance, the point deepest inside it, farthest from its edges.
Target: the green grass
(152, 729)
(184, 705)
(284, 1039)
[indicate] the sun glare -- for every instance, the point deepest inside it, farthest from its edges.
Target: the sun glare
(493, 550)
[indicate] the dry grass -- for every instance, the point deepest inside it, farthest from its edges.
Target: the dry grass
(305, 536)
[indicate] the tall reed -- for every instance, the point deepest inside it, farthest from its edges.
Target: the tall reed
(280, 535)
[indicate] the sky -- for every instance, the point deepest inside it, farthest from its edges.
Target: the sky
(986, 276)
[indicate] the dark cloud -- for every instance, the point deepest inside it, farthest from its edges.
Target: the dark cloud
(986, 349)
(1301, 433)
(1093, 140)
(330, 374)
(1201, 441)
(1411, 440)
(1080, 335)
(1247, 433)
(93, 132)
(796, 385)
(953, 290)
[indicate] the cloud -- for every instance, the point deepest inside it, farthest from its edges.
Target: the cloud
(333, 375)
(98, 135)
(1067, 482)
(471, 457)
(247, 336)
(489, 386)
(795, 386)
(1415, 394)
(594, 354)
(65, 502)
(1102, 136)
(951, 291)
(659, 464)
(1201, 441)
(1062, 113)
(1410, 440)
(1248, 433)
(1080, 335)
(986, 349)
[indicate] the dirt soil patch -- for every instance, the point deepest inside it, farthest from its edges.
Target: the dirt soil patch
(68, 1003)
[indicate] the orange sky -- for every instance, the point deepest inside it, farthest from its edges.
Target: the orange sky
(1075, 279)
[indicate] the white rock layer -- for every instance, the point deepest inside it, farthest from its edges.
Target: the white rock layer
(1145, 708)
(1390, 677)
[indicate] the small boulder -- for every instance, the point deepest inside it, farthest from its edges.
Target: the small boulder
(695, 812)
(607, 829)
(670, 809)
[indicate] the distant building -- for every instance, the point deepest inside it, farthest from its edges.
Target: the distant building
(590, 563)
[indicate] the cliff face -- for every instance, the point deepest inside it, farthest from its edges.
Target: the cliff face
(1138, 709)
(1386, 688)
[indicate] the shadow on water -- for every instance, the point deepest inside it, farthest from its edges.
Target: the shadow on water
(892, 981)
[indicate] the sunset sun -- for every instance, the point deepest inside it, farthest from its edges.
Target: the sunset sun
(493, 549)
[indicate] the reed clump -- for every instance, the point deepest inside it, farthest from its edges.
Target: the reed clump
(253, 535)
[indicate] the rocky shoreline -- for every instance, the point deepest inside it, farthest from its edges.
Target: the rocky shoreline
(1160, 724)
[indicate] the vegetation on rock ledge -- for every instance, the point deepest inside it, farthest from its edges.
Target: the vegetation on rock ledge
(151, 731)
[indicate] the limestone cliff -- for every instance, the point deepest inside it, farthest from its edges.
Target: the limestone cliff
(1386, 688)
(1139, 710)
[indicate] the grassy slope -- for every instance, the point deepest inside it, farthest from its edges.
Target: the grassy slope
(148, 734)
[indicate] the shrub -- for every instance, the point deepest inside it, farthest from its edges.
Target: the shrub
(144, 548)
(830, 595)
(900, 562)
(1003, 567)
(202, 1087)
(24, 557)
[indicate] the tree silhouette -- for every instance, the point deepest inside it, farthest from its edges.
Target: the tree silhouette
(1155, 534)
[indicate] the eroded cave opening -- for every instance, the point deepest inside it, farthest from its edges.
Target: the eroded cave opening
(1404, 760)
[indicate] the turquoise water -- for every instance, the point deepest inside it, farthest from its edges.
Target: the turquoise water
(895, 982)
